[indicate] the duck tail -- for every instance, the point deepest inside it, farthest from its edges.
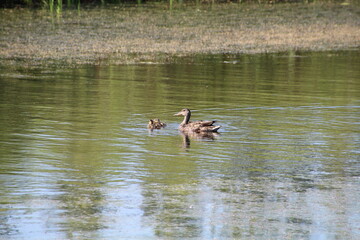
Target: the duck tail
(215, 128)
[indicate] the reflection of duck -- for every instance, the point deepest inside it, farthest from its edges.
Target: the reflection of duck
(197, 136)
(156, 124)
(197, 126)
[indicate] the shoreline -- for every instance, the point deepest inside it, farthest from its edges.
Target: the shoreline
(116, 35)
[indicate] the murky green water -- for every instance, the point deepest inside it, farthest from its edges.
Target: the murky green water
(77, 161)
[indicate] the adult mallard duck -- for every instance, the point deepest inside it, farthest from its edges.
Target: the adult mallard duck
(197, 126)
(156, 124)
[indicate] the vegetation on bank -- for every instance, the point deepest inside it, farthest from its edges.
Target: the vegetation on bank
(59, 4)
(114, 34)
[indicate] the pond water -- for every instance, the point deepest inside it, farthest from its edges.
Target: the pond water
(78, 162)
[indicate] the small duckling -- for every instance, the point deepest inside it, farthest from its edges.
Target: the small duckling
(156, 124)
(162, 124)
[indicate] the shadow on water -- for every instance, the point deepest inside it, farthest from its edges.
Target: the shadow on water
(77, 159)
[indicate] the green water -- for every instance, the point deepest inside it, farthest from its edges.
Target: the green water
(77, 161)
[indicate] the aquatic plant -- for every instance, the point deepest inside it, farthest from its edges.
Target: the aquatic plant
(58, 7)
(51, 5)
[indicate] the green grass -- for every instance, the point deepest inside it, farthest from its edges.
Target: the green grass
(58, 4)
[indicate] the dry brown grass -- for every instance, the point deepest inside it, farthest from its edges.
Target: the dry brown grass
(131, 35)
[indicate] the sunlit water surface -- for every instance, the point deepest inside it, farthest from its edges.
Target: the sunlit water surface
(77, 160)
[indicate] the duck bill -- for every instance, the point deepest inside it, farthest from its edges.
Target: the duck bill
(178, 114)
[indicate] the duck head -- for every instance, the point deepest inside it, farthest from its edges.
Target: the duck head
(183, 112)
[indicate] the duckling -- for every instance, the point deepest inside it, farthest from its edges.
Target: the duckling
(197, 126)
(156, 124)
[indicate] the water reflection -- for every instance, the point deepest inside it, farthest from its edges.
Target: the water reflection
(82, 208)
(77, 159)
(197, 136)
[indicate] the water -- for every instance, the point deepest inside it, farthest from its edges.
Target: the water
(77, 161)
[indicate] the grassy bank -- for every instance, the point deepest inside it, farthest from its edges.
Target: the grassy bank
(132, 34)
(77, 3)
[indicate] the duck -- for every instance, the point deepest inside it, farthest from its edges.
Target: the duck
(156, 124)
(197, 126)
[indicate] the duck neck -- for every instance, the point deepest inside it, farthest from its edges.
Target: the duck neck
(186, 119)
